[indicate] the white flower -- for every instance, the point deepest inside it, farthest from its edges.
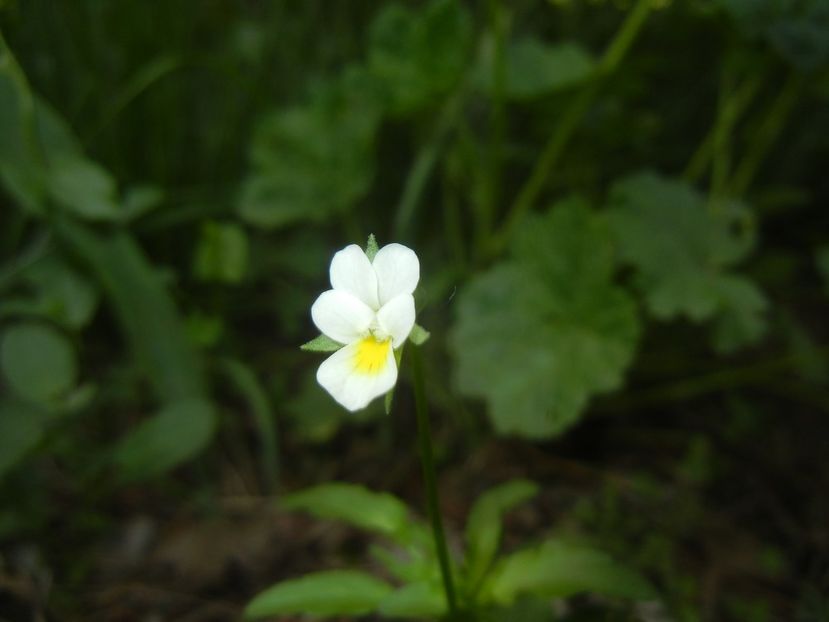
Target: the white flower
(371, 311)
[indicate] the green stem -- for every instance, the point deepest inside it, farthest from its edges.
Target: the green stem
(453, 222)
(140, 82)
(424, 164)
(727, 118)
(720, 380)
(424, 434)
(721, 161)
(497, 125)
(571, 118)
(247, 385)
(765, 136)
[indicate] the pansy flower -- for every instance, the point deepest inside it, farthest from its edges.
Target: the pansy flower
(370, 310)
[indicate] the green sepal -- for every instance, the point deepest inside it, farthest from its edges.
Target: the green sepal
(398, 356)
(321, 344)
(419, 335)
(371, 247)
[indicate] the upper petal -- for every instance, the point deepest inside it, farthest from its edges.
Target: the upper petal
(398, 271)
(341, 316)
(397, 317)
(340, 375)
(352, 272)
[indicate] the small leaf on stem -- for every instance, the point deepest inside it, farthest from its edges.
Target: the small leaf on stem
(321, 344)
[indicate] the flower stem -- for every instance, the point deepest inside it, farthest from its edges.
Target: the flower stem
(424, 438)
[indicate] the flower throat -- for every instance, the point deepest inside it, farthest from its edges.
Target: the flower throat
(371, 355)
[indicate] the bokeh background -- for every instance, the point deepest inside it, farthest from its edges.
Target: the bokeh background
(620, 210)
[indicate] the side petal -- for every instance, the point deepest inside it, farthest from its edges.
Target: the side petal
(351, 272)
(341, 316)
(340, 375)
(397, 317)
(398, 271)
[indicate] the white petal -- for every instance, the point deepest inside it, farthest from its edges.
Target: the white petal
(398, 271)
(341, 316)
(352, 388)
(351, 272)
(397, 317)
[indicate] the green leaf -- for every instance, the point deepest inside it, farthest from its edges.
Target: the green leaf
(811, 362)
(683, 249)
(40, 157)
(419, 55)
(797, 29)
(322, 594)
(483, 528)
(557, 569)
(322, 343)
(537, 335)
(29, 131)
(140, 200)
(413, 563)
(156, 335)
(221, 254)
(83, 188)
(416, 600)
(37, 361)
(374, 511)
(535, 68)
(21, 428)
(419, 335)
(60, 292)
(742, 317)
(145, 310)
(163, 441)
(314, 160)
(371, 247)
(389, 398)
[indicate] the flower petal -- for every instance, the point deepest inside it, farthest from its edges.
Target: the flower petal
(397, 317)
(398, 271)
(340, 374)
(352, 272)
(341, 316)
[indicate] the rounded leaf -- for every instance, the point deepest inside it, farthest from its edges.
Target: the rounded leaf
(37, 361)
(537, 336)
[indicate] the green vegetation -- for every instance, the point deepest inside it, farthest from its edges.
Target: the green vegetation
(619, 210)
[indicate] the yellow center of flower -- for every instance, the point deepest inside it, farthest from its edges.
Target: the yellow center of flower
(371, 355)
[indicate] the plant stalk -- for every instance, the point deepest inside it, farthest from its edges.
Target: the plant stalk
(570, 120)
(766, 135)
(424, 164)
(424, 438)
(728, 116)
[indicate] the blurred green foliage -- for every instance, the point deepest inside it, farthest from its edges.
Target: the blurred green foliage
(488, 583)
(604, 198)
(538, 335)
(682, 269)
